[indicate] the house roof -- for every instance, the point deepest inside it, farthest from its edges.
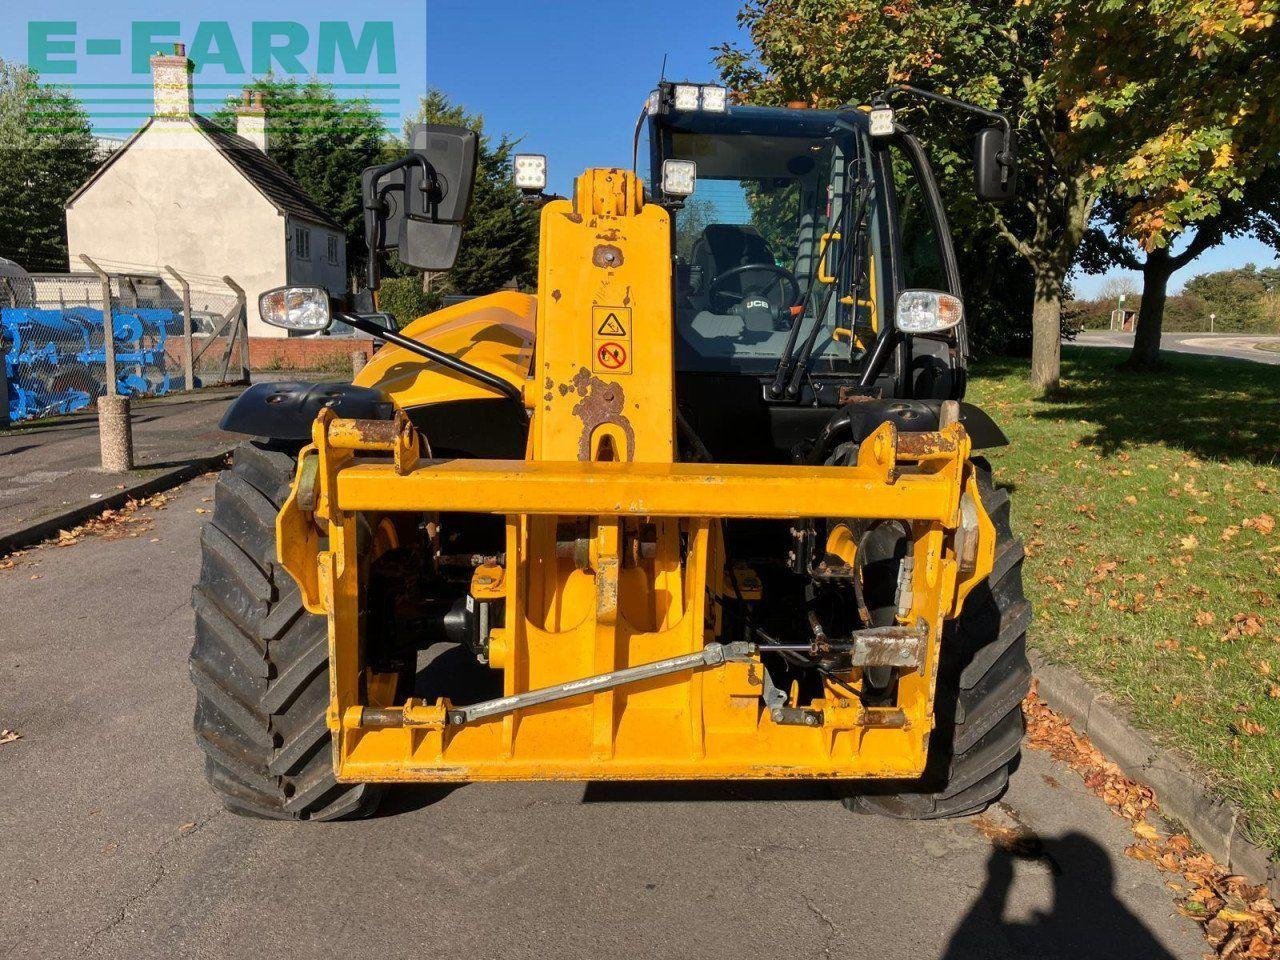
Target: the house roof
(271, 180)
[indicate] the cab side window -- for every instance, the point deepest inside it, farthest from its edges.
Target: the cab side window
(922, 263)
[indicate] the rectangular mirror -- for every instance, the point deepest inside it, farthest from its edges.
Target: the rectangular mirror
(416, 205)
(995, 169)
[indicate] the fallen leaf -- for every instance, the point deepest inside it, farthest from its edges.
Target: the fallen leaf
(8, 736)
(1204, 618)
(1263, 524)
(1189, 542)
(1146, 831)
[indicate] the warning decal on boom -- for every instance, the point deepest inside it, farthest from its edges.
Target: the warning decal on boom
(611, 339)
(612, 326)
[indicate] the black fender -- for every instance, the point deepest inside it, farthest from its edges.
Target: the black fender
(859, 418)
(286, 409)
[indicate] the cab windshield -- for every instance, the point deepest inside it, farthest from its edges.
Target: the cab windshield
(759, 242)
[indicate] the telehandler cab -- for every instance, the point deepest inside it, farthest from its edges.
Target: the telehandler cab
(704, 507)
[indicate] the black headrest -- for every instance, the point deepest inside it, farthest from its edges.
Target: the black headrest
(732, 245)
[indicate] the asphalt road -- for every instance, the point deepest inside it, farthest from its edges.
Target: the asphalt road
(1205, 344)
(111, 846)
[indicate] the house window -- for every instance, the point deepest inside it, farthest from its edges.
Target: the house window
(302, 243)
(333, 250)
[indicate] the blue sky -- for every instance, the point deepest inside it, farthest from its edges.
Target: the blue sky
(568, 77)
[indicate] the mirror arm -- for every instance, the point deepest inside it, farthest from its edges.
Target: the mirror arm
(483, 377)
(378, 205)
(884, 95)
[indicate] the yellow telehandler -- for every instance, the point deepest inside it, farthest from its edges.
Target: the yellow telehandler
(704, 507)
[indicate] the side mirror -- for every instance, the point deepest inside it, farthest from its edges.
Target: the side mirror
(417, 204)
(995, 165)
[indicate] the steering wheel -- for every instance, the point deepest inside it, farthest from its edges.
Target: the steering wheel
(724, 301)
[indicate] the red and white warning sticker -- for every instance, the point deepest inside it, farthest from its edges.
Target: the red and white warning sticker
(611, 339)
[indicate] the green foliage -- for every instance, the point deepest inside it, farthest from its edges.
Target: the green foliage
(404, 298)
(324, 142)
(692, 219)
(774, 213)
(47, 151)
(501, 241)
(1240, 299)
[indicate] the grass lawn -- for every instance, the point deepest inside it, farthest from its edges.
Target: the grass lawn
(1150, 507)
(1272, 345)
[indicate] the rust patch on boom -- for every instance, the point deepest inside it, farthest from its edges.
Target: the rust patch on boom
(600, 403)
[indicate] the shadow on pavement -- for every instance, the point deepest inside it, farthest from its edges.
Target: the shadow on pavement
(1086, 919)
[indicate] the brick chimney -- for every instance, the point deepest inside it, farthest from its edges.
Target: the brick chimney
(172, 79)
(251, 119)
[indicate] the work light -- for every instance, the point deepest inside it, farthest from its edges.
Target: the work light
(531, 172)
(679, 177)
(715, 99)
(304, 309)
(881, 120)
(928, 311)
(687, 96)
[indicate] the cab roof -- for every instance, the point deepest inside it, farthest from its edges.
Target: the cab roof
(762, 121)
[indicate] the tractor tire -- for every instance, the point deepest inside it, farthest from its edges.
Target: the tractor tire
(982, 679)
(260, 663)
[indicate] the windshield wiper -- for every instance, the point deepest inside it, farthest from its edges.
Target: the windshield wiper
(794, 372)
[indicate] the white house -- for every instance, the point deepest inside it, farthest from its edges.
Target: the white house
(183, 192)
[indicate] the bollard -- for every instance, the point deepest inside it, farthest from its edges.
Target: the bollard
(115, 434)
(358, 360)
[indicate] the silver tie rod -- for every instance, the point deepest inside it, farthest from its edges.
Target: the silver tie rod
(712, 655)
(905, 647)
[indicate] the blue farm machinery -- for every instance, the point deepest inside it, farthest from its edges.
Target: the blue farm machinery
(56, 360)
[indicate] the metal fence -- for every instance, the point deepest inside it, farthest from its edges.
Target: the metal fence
(69, 338)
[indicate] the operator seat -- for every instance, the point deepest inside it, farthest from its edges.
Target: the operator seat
(723, 246)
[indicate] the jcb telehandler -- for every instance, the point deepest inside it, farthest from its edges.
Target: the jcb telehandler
(704, 507)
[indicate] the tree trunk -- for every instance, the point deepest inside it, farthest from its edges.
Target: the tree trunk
(1156, 271)
(1046, 335)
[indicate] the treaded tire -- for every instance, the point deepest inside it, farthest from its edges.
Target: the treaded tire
(982, 680)
(260, 663)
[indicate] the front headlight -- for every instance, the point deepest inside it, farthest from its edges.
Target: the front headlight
(305, 309)
(928, 311)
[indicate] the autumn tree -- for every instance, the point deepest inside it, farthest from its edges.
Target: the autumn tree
(832, 52)
(1181, 96)
(1253, 209)
(47, 150)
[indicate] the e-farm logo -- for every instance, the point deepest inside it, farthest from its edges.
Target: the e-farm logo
(106, 62)
(56, 48)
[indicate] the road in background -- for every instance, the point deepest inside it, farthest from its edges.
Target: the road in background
(1205, 344)
(113, 847)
